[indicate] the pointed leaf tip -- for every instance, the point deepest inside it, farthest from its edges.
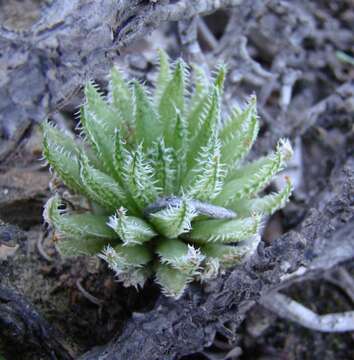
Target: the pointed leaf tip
(174, 221)
(131, 230)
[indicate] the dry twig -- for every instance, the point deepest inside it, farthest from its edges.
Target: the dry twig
(292, 310)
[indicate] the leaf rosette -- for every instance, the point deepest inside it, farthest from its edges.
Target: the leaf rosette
(170, 192)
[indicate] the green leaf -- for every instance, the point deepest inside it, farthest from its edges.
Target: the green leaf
(180, 149)
(183, 257)
(137, 255)
(101, 137)
(266, 205)
(209, 121)
(164, 75)
(139, 178)
(130, 264)
(252, 178)
(121, 100)
(131, 230)
(101, 188)
(239, 134)
(80, 225)
(225, 231)
(172, 281)
(103, 113)
(148, 126)
(230, 255)
(99, 123)
(201, 87)
(65, 140)
(76, 246)
(164, 167)
(174, 221)
(172, 102)
(219, 77)
(60, 138)
(199, 108)
(120, 156)
(62, 155)
(208, 175)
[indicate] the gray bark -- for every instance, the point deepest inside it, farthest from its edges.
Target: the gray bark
(75, 40)
(24, 330)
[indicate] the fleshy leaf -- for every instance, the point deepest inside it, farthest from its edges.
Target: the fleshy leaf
(120, 98)
(219, 77)
(101, 188)
(100, 136)
(104, 114)
(60, 138)
(180, 149)
(164, 167)
(131, 230)
(252, 178)
(225, 231)
(80, 225)
(62, 155)
(76, 246)
(172, 281)
(164, 75)
(139, 178)
(185, 258)
(135, 277)
(239, 133)
(121, 257)
(266, 205)
(208, 174)
(130, 264)
(120, 156)
(209, 120)
(172, 101)
(148, 126)
(231, 255)
(198, 112)
(174, 221)
(201, 87)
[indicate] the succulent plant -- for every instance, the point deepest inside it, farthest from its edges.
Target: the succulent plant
(168, 189)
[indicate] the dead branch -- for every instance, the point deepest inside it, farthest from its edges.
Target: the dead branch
(22, 329)
(187, 30)
(287, 308)
(42, 67)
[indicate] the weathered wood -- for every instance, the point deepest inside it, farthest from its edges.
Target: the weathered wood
(75, 40)
(22, 329)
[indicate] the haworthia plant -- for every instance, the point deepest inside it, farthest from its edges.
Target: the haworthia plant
(170, 191)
